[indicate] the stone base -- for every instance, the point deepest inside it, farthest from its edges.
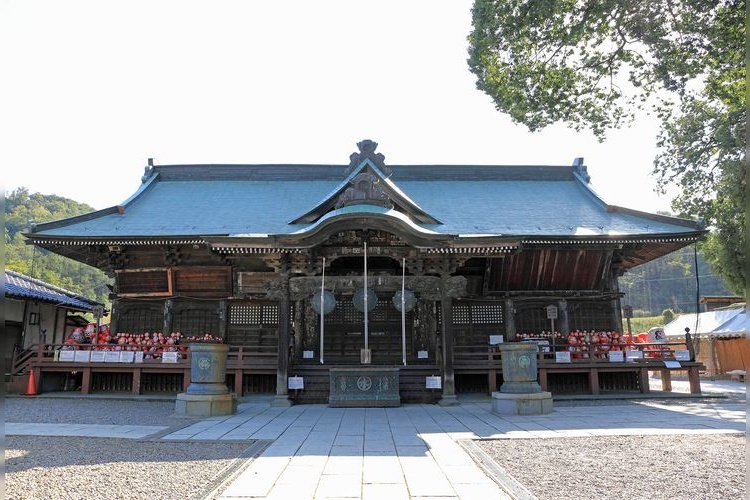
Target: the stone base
(537, 403)
(448, 400)
(281, 400)
(195, 405)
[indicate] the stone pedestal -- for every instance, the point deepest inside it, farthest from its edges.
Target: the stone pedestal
(520, 393)
(207, 395)
(537, 403)
(196, 405)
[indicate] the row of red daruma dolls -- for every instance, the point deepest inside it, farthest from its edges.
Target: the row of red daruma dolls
(585, 344)
(148, 342)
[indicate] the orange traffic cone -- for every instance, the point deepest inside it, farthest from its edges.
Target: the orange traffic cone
(31, 386)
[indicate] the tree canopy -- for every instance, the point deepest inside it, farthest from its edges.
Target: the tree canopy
(597, 64)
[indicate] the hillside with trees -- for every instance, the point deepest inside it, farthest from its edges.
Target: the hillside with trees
(23, 209)
(674, 282)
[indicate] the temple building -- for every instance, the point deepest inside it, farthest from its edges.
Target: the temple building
(303, 269)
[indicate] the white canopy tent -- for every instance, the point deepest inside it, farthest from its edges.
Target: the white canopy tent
(726, 327)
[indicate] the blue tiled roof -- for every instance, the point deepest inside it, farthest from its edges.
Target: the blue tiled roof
(510, 201)
(19, 286)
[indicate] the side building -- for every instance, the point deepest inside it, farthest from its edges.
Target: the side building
(420, 267)
(37, 313)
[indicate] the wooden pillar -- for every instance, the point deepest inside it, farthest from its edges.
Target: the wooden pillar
(223, 319)
(594, 381)
(449, 381)
(666, 380)
(86, 381)
(564, 320)
(694, 379)
(282, 366)
(543, 379)
(510, 320)
(643, 380)
(167, 327)
(136, 382)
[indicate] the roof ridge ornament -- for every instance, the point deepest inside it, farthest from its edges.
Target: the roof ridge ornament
(582, 169)
(148, 171)
(367, 151)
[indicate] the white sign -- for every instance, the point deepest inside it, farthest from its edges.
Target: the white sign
(97, 356)
(496, 339)
(126, 356)
(138, 356)
(170, 357)
(672, 364)
(682, 354)
(616, 356)
(111, 356)
(562, 357)
(433, 382)
(631, 355)
(296, 383)
(307, 354)
(551, 312)
(82, 356)
(422, 355)
(67, 355)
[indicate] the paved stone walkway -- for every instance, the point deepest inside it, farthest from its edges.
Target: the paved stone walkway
(411, 451)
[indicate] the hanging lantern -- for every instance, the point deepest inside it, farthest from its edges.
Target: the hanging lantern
(359, 299)
(329, 302)
(409, 300)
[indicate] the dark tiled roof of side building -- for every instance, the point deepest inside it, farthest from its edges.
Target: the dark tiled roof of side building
(20, 286)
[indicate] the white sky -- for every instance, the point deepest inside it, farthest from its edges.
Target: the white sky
(92, 89)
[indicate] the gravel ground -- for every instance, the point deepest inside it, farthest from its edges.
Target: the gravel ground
(101, 468)
(685, 466)
(92, 411)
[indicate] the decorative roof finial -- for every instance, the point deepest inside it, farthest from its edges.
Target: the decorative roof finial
(148, 171)
(367, 150)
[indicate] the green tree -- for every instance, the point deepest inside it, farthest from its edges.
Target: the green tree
(596, 64)
(23, 209)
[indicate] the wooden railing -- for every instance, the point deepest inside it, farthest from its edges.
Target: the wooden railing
(244, 362)
(142, 369)
(21, 359)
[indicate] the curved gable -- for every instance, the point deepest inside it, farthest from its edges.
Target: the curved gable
(368, 183)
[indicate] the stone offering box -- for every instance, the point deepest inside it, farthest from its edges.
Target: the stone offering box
(364, 387)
